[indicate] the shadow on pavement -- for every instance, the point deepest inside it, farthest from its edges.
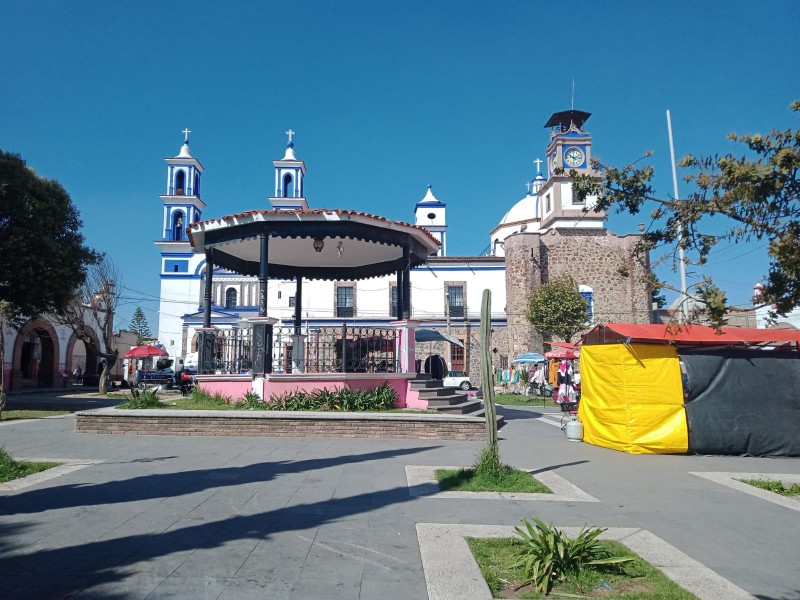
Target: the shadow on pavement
(54, 572)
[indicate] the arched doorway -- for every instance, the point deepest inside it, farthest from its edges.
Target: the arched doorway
(35, 356)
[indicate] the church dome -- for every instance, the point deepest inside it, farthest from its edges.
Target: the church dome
(526, 209)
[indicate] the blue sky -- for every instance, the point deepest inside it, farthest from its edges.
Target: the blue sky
(385, 99)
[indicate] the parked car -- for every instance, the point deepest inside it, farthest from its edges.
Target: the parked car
(457, 379)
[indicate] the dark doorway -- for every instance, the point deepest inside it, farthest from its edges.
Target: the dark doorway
(36, 360)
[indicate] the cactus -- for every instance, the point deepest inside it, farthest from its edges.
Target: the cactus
(487, 379)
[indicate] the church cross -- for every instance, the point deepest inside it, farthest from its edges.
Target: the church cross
(528, 185)
(186, 133)
(538, 162)
(290, 133)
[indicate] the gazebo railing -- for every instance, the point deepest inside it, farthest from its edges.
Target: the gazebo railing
(331, 349)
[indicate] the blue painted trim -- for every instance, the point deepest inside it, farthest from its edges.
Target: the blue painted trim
(179, 254)
(436, 204)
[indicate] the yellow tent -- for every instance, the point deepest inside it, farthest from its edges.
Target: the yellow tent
(632, 398)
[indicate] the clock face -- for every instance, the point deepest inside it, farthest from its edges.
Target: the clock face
(573, 157)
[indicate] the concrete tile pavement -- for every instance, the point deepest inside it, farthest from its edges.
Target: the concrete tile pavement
(332, 518)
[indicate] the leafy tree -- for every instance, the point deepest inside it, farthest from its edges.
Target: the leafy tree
(139, 326)
(751, 197)
(44, 256)
(90, 314)
(558, 309)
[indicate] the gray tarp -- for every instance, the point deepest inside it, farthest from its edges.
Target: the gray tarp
(743, 402)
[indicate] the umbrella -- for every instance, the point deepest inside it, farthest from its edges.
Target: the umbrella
(145, 352)
(432, 335)
(530, 357)
(563, 353)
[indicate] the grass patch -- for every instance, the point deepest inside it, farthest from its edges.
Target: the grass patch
(521, 400)
(490, 475)
(508, 479)
(13, 415)
(16, 469)
(778, 487)
(635, 580)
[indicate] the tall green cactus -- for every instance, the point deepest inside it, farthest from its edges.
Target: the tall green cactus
(487, 375)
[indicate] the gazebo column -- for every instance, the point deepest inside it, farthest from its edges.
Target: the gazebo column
(406, 283)
(298, 339)
(400, 304)
(262, 324)
(207, 342)
(406, 328)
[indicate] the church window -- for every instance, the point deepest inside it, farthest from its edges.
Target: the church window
(196, 190)
(180, 183)
(230, 298)
(291, 301)
(177, 226)
(455, 300)
(175, 268)
(345, 301)
(288, 188)
(588, 295)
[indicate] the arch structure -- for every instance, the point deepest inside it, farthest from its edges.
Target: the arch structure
(34, 360)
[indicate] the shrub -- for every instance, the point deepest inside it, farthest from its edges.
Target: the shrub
(142, 399)
(548, 553)
(383, 397)
(251, 401)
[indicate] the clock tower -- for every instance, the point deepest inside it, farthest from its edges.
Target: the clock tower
(570, 149)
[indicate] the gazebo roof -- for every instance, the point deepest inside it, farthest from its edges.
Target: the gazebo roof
(356, 245)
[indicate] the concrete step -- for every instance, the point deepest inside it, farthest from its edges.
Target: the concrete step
(463, 408)
(446, 400)
(420, 384)
(482, 413)
(432, 392)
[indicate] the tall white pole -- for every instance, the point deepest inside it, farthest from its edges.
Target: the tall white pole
(681, 254)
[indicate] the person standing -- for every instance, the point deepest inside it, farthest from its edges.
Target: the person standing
(78, 375)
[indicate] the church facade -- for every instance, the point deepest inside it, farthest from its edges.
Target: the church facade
(546, 234)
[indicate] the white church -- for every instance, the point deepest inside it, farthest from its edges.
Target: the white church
(445, 293)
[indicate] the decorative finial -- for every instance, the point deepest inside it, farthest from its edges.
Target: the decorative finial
(290, 133)
(538, 162)
(186, 133)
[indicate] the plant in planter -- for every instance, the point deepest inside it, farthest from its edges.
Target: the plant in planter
(549, 554)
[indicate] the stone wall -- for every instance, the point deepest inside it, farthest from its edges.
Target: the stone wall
(385, 426)
(596, 258)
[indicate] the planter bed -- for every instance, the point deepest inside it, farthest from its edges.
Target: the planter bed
(280, 424)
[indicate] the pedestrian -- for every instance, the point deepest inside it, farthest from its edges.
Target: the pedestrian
(78, 375)
(566, 391)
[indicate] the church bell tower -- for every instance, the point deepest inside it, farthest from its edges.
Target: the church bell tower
(182, 203)
(570, 149)
(289, 173)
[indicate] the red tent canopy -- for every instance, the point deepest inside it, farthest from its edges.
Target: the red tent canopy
(689, 335)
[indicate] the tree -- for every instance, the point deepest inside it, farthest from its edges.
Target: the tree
(91, 312)
(558, 309)
(752, 197)
(139, 326)
(44, 256)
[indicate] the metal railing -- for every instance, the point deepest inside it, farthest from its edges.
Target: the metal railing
(340, 349)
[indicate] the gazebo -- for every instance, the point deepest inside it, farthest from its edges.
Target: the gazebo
(307, 244)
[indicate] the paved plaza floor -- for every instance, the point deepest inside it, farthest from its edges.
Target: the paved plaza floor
(230, 518)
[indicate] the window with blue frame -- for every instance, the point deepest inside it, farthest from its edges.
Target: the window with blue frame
(230, 298)
(180, 183)
(588, 295)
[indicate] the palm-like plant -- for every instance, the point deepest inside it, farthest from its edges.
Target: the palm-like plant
(549, 554)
